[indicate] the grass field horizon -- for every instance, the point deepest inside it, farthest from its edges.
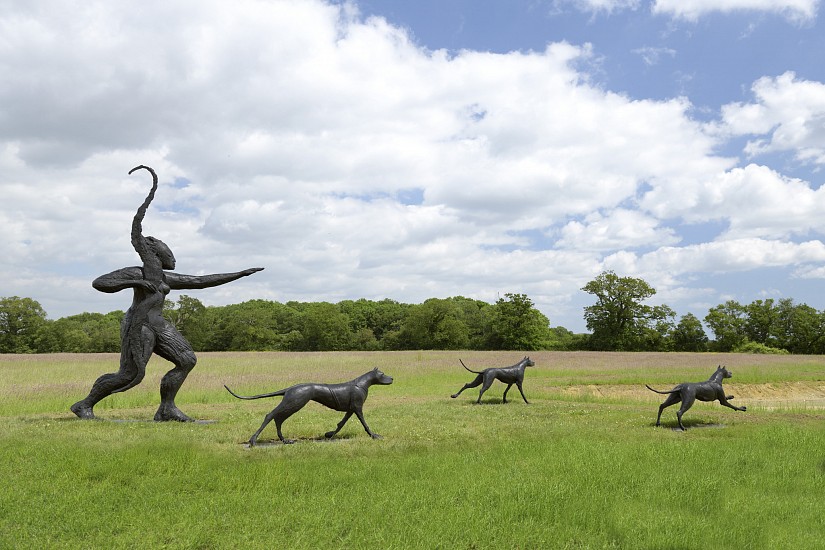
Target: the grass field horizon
(582, 466)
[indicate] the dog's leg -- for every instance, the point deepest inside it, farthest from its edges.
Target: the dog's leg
(518, 385)
(672, 399)
(267, 419)
(489, 378)
(343, 421)
(468, 385)
(360, 416)
(724, 401)
(687, 403)
(504, 399)
(292, 403)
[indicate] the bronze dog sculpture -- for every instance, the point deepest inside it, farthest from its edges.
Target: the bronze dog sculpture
(509, 375)
(347, 396)
(689, 392)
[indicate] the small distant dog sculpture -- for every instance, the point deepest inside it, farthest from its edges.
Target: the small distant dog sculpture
(689, 392)
(347, 396)
(508, 375)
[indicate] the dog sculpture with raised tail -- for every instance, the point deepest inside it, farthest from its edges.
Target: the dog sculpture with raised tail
(348, 397)
(509, 375)
(689, 392)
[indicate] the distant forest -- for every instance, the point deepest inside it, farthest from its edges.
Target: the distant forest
(618, 321)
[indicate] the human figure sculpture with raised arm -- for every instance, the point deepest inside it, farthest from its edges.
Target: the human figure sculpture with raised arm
(144, 330)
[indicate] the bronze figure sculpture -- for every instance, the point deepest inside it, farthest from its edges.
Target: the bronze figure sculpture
(509, 375)
(346, 397)
(144, 330)
(689, 392)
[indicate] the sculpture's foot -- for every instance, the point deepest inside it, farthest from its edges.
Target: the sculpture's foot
(168, 413)
(82, 410)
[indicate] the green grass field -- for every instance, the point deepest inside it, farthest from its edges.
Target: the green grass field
(582, 466)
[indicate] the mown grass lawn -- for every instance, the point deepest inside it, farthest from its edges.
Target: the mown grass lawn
(580, 467)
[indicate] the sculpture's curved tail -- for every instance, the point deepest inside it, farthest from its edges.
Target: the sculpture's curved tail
(662, 392)
(469, 369)
(273, 394)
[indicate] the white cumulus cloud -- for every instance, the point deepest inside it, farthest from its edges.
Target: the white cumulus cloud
(795, 10)
(329, 148)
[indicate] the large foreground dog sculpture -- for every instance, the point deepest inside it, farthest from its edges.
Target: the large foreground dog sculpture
(348, 397)
(508, 375)
(689, 392)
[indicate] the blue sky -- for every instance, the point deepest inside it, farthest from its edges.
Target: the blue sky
(408, 150)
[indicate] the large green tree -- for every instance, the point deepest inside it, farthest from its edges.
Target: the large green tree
(727, 321)
(438, 323)
(761, 317)
(325, 328)
(618, 320)
(517, 325)
(798, 328)
(255, 325)
(370, 322)
(84, 333)
(21, 320)
(689, 335)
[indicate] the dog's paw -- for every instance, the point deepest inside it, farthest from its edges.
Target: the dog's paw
(743, 409)
(376, 436)
(329, 435)
(454, 395)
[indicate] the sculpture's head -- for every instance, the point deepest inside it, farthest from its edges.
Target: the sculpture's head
(162, 252)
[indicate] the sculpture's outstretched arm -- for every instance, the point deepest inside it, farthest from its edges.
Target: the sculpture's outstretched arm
(178, 281)
(128, 277)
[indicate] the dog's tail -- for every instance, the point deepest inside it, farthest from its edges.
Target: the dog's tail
(651, 389)
(273, 394)
(469, 369)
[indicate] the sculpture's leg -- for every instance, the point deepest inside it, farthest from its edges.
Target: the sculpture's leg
(360, 416)
(671, 399)
(267, 419)
(169, 386)
(504, 397)
(488, 381)
(133, 359)
(475, 383)
(687, 403)
(173, 347)
(343, 421)
(521, 391)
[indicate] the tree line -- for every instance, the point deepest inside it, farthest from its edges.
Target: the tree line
(619, 320)
(511, 322)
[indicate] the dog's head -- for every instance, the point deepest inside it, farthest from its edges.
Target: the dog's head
(725, 372)
(381, 378)
(528, 362)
